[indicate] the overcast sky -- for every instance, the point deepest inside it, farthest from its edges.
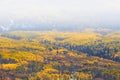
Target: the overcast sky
(63, 11)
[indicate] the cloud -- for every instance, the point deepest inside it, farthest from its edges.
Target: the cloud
(63, 11)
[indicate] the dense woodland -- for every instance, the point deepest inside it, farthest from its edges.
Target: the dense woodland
(53, 55)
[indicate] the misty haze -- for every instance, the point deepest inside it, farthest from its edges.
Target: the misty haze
(59, 40)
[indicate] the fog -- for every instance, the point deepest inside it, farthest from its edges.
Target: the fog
(96, 13)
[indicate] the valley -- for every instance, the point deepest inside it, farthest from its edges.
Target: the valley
(56, 55)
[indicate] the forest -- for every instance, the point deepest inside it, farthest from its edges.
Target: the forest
(56, 55)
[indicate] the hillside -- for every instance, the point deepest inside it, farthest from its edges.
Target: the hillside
(53, 55)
